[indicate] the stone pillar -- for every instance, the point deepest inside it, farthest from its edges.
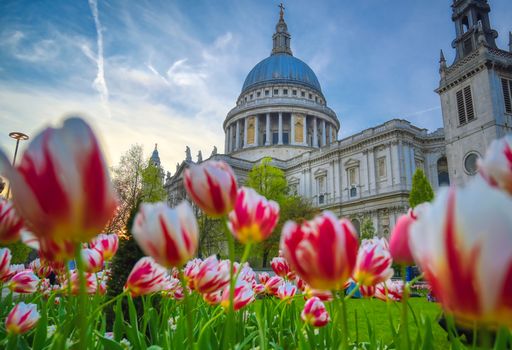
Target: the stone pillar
(267, 130)
(292, 129)
(324, 138)
(256, 130)
(372, 185)
(226, 144)
(245, 132)
(280, 131)
(315, 134)
(237, 136)
(330, 133)
(305, 130)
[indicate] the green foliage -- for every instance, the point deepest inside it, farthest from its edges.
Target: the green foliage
(367, 229)
(19, 252)
(153, 186)
(421, 190)
(268, 181)
(212, 239)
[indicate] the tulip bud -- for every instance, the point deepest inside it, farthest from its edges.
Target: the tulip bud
(496, 166)
(146, 277)
(314, 313)
(24, 282)
(273, 284)
(286, 291)
(22, 318)
(212, 275)
(280, 266)
(107, 245)
(92, 260)
(243, 296)
(5, 262)
(10, 223)
(389, 290)
(373, 263)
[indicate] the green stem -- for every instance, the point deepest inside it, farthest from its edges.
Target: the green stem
(81, 320)
(231, 310)
(99, 308)
(207, 324)
(404, 326)
(188, 311)
(342, 319)
(12, 342)
(245, 256)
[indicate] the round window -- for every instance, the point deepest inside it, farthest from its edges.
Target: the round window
(470, 163)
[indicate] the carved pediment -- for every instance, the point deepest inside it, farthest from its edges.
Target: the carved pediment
(320, 172)
(293, 180)
(351, 162)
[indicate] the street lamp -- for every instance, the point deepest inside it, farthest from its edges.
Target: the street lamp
(18, 136)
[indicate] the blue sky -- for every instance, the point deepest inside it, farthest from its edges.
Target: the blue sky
(168, 72)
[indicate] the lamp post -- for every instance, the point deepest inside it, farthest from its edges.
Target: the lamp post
(18, 136)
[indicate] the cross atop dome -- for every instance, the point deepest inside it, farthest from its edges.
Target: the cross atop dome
(281, 38)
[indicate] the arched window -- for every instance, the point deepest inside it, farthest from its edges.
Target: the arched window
(465, 24)
(443, 178)
(353, 192)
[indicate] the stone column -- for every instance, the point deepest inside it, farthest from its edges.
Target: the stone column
(372, 185)
(256, 130)
(305, 130)
(237, 136)
(245, 132)
(315, 135)
(324, 138)
(267, 130)
(292, 131)
(280, 132)
(330, 133)
(226, 144)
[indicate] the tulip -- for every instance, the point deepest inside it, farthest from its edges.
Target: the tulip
(213, 298)
(253, 218)
(5, 262)
(286, 291)
(10, 222)
(273, 284)
(280, 266)
(212, 275)
(59, 251)
(91, 284)
(212, 186)
(367, 291)
(323, 295)
(92, 260)
(13, 270)
(190, 272)
(373, 264)
(263, 277)
(173, 289)
(106, 244)
(247, 274)
(389, 290)
(243, 296)
(41, 269)
(463, 244)
(496, 166)
(61, 186)
(170, 236)
(24, 282)
(258, 288)
(314, 313)
(321, 251)
(22, 318)
(146, 277)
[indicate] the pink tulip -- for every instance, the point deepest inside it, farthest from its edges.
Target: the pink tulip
(286, 290)
(92, 260)
(314, 313)
(463, 244)
(389, 290)
(146, 277)
(10, 223)
(170, 236)
(258, 288)
(212, 275)
(5, 262)
(273, 284)
(41, 269)
(253, 217)
(373, 264)
(61, 186)
(321, 251)
(212, 187)
(22, 318)
(106, 244)
(496, 166)
(190, 272)
(24, 282)
(263, 277)
(280, 266)
(243, 296)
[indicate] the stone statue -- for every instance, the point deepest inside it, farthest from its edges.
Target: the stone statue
(214, 152)
(199, 157)
(168, 177)
(188, 157)
(177, 166)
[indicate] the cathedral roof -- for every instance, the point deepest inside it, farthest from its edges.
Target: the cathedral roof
(281, 68)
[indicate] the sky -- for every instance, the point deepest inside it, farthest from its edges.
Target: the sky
(168, 72)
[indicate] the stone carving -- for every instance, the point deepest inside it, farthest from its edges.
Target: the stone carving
(299, 129)
(214, 152)
(188, 157)
(199, 157)
(250, 130)
(168, 177)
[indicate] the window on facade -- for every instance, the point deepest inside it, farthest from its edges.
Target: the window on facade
(258, 94)
(250, 96)
(321, 199)
(294, 92)
(286, 139)
(507, 94)
(276, 92)
(267, 92)
(316, 99)
(245, 99)
(353, 192)
(465, 105)
(285, 92)
(442, 172)
(470, 163)
(275, 138)
(381, 167)
(303, 94)
(352, 176)
(310, 96)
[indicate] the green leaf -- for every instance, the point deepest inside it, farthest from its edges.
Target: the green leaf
(109, 344)
(428, 337)
(42, 328)
(119, 320)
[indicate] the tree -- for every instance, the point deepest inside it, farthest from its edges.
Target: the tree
(367, 229)
(421, 190)
(268, 180)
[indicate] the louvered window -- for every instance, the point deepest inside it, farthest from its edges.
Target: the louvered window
(465, 105)
(507, 94)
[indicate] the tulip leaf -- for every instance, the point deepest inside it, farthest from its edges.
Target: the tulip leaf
(42, 329)
(119, 320)
(109, 344)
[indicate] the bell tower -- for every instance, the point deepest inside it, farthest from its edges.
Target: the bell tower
(475, 90)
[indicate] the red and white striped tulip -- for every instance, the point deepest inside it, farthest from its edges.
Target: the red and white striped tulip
(273, 284)
(463, 244)
(146, 277)
(10, 223)
(107, 244)
(169, 235)
(314, 313)
(190, 271)
(263, 277)
(373, 264)
(22, 318)
(280, 266)
(367, 291)
(243, 296)
(212, 187)
(91, 284)
(389, 290)
(253, 217)
(92, 260)
(258, 288)
(24, 281)
(286, 290)
(40, 268)
(212, 275)
(5, 263)
(496, 165)
(324, 295)
(173, 289)
(213, 298)
(13, 270)
(321, 251)
(61, 187)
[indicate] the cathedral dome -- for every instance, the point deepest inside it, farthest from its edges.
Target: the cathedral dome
(281, 68)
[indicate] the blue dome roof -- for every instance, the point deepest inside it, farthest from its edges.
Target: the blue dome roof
(281, 68)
